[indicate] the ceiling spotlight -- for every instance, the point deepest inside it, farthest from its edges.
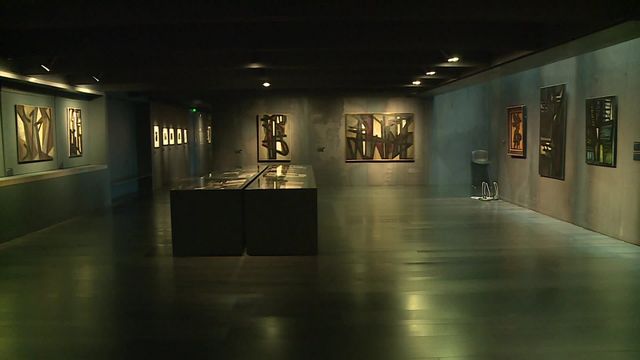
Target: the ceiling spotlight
(266, 84)
(96, 79)
(416, 82)
(431, 73)
(44, 67)
(453, 59)
(254, 65)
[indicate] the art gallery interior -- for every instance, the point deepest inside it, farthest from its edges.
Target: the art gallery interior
(435, 181)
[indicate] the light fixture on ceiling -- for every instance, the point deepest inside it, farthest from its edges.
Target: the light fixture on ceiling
(430, 73)
(44, 67)
(95, 78)
(416, 82)
(453, 59)
(254, 65)
(266, 84)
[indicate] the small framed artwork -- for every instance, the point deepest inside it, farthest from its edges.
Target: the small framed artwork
(636, 151)
(165, 136)
(602, 131)
(156, 136)
(74, 122)
(172, 136)
(179, 136)
(517, 130)
(209, 134)
(185, 138)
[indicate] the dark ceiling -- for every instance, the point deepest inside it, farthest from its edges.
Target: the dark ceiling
(190, 50)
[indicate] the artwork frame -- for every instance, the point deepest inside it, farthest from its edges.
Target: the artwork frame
(517, 131)
(75, 135)
(379, 137)
(185, 138)
(601, 135)
(273, 132)
(179, 136)
(35, 133)
(156, 136)
(172, 136)
(165, 136)
(209, 134)
(553, 131)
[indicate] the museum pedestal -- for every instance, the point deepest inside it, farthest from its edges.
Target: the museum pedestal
(281, 216)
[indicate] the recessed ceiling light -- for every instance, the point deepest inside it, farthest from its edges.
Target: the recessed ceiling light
(416, 82)
(44, 67)
(266, 84)
(96, 79)
(453, 59)
(254, 65)
(431, 73)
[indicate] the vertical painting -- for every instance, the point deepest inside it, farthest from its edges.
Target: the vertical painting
(273, 137)
(602, 131)
(517, 130)
(34, 133)
(185, 137)
(553, 126)
(165, 136)
(636, 150)
(208, 134)
(74, 121)
(172, 136)
(156, 136)
(179, 136)
(379, 137)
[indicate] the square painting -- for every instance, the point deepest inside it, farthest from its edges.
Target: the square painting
(553, 127)
(602, 131)
(165, 136)
(156, 136)
(517, 126)
(34, 133)
(74, 121)
(379, 137)
(273, 137)
(179, 136)
(172, 136)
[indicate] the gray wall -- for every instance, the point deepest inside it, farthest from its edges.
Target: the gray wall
(123, 153)
(316, 121)
(172, 162)
(603, 199)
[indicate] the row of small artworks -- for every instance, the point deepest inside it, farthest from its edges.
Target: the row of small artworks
(35, 133)
(171, 136)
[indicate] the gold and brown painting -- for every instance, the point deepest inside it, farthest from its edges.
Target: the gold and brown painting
(517, 125)
(34, 132)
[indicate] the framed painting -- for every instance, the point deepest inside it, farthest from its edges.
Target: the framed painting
(172, 136)
(74, 123)
(517, 130)
(35, 136)
(273, 137)
(156, 136)
(553, 127)
(179, 136)
(165, 136)
(185, 138)
(602, 131)
(372, 137)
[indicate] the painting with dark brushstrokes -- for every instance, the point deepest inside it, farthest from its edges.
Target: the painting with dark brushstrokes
(517, 126)
(379, 137)
(553, 125)
(74, 121)
(273, 137)
(34, 133)
(602, 131)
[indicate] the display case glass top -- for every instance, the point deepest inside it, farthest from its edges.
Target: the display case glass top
(285, 177)
(226, 180)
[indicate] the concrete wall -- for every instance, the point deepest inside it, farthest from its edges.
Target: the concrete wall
(317, 121)
(606, 200)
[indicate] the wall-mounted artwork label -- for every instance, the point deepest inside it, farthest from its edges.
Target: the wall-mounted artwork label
(165, 136)
(273, 138)
(379, 137)
(636, 150)
(517, 126)
(208, 134)
(553, 126)
(34, 132)
(74, 121)
(172, 136)
(156, 136)
(185, 138)
(179, 136)
(602, 131)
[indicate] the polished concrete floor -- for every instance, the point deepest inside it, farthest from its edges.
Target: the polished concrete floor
(400, 275)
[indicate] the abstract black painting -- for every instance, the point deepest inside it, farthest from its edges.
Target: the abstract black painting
(273, 137)
(517, 127)
(156, 136)
(379, 137)
(553, 125)
(602, 131)
(34, 133)
(74, 121)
